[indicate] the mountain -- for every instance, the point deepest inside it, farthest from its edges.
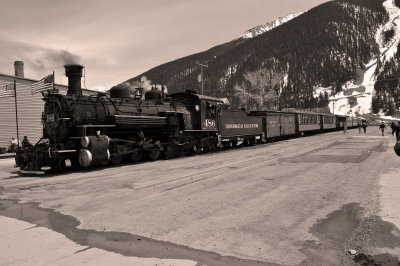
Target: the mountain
(333, 53)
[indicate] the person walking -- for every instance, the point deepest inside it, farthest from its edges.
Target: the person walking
(359, 127)
(393, 127)
(364, 126)
(397, 131)
(382, 127)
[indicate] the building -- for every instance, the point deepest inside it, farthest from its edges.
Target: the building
(30, 108)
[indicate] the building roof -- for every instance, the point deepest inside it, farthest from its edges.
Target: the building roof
(26, 79)
(62, 86)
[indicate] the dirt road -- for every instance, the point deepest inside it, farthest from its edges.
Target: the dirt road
(300, 201)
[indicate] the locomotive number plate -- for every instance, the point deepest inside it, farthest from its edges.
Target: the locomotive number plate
(209, 123)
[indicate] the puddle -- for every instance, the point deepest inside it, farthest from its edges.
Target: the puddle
(120, 242)
(344, 229)
(333, 232)
(338, 226)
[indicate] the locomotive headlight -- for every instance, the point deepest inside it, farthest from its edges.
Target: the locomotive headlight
(85, 142)
(68, 163)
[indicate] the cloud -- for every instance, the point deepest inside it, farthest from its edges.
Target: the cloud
(38, 61)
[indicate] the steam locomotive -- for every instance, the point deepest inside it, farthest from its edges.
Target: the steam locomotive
(84, 131)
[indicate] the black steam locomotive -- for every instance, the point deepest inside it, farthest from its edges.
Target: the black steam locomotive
(84, 131)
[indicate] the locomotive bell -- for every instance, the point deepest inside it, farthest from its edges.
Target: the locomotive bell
(74, 74)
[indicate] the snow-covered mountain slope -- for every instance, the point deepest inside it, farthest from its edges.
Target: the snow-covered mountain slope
(253, 32)
(282, 66)
(356, 96)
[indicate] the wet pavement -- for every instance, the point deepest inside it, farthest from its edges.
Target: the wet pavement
(304, 201)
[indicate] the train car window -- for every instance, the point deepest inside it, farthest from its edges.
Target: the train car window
(208, 113)
(211, 109)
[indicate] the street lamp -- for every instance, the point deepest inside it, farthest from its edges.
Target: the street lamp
(201, 74)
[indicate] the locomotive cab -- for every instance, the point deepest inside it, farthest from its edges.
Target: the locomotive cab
(203, 109)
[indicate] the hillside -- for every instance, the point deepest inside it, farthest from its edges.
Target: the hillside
(296, 64)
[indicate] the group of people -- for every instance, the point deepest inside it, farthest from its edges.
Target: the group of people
(362, 125)
(395, 129)
(14, 143)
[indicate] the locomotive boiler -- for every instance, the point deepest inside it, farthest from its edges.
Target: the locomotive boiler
(80, 130)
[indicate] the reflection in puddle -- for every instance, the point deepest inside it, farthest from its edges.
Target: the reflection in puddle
(338, 225)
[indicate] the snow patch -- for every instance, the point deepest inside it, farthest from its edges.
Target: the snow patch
(99, 89)
(388, 117)
(258, 30)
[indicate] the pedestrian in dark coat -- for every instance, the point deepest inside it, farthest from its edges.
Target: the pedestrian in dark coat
(364, 126)
(393, 127)
(397, 131)
(382, 127)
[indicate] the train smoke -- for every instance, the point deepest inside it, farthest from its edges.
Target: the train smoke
(51, 58)
(145, 84)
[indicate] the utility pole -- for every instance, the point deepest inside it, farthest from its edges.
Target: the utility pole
(334, 95)
(201, 74)
(16, 109)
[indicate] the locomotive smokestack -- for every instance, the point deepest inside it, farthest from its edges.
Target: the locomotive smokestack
(74, 74)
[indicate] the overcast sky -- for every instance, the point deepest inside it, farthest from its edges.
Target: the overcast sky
(119, 39)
